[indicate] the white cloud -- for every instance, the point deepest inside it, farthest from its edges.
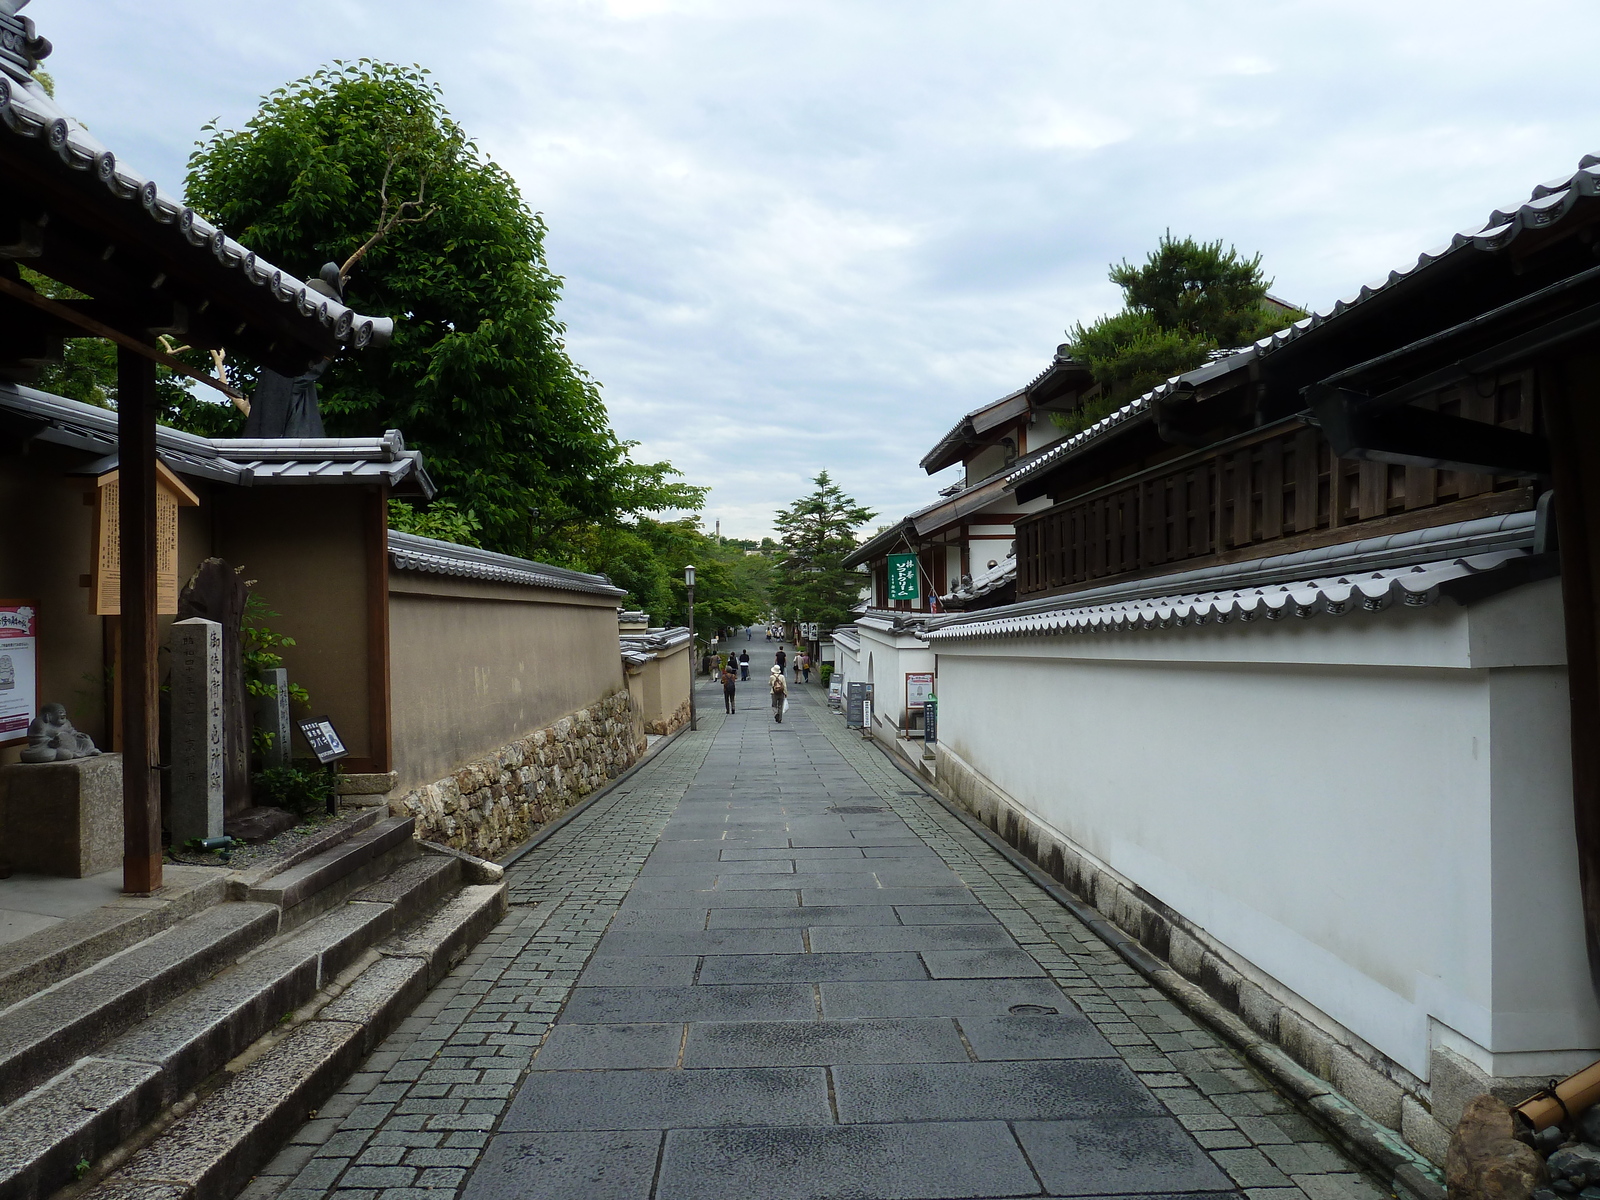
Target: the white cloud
(807, 235)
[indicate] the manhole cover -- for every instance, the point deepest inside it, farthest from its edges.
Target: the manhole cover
(1033, 1010)
(855, 808)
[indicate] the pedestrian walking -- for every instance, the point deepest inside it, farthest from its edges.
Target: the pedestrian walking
(744, 665)
(805, 666)
(780, 693)
(797, 658)
(782, 659)
(730, 679)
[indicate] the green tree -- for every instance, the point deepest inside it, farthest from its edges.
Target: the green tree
(647, 557)
(360, 164)
(816, 532)
(1184, 301)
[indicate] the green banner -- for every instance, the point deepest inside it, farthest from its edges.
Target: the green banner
(903, 580)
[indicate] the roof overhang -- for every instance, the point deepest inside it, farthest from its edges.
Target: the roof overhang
(150, 265)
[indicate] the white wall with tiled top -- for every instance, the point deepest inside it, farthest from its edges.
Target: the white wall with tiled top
(1373, 810)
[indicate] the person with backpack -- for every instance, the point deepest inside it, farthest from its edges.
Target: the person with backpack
(780, 693)
(805, 666)
(730, 679)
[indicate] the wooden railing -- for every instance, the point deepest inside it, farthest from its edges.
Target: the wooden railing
(1276, 484)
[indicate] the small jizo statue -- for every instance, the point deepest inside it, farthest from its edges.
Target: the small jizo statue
(51, 738)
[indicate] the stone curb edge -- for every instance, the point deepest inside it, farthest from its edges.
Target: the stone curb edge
(587, 802)
(1376, 1146)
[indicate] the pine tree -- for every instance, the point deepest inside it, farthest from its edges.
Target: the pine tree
(816, 532)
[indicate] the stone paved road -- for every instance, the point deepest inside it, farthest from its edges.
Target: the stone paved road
(767, 966)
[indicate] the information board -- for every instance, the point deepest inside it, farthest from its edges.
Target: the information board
(857, 695)
(930, 721)
(323, 739)
(19, 682)
(903, 581)
(919, 686)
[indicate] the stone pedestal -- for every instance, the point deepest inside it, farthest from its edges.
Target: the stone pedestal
(63, 818)
(197, 733)
(272, 717)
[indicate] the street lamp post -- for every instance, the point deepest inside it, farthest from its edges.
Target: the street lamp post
(688, 579)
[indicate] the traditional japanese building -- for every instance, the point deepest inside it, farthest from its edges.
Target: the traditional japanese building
(1300, 688)
(963, 541)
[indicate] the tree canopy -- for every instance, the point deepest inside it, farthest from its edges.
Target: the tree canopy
(361, 165)
(1184, 301)
(817, 532)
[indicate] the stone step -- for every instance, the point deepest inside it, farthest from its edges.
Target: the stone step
(212, 1151)
(31, 964)
(42, 1034)
(96, 1104)
(312, 887)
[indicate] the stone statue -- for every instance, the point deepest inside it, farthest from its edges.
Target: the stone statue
(51, 738)
(284, 407)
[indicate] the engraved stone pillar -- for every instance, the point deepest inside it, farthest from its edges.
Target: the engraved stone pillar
(197, 733)
(272, 717)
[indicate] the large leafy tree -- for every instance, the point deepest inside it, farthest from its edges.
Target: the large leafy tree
(817, 531)
(360, 165)
(1184, 301)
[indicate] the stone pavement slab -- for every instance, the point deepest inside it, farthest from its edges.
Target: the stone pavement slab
(767, 967)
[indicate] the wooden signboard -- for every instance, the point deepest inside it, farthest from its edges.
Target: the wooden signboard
(105, 581)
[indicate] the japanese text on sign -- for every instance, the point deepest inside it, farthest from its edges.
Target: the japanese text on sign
(903, 582)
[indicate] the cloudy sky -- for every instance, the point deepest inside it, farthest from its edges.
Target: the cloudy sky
(806, 235)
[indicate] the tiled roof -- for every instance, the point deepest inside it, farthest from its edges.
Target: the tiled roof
(245, 462)
(1415, 586)
(409, 552)
(1398, 565)
(1058, 451)
(1548, 204)
(847, 636)
(640, 648)
(985, 582)
(27, 112)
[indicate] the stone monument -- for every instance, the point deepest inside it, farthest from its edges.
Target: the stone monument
(272, 717)
(217, 593)
(197, 730)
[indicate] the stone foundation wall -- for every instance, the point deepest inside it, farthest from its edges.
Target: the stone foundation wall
(1388, 1093)
(493, 804)
(666, 725)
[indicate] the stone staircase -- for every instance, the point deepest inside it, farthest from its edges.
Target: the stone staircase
(172, 1055)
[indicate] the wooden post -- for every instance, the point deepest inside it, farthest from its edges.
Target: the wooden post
(141, 783)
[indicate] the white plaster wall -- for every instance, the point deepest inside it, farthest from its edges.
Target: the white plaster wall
(1374, 810)
(890, 656)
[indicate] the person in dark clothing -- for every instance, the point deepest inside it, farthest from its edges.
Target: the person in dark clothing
(782, 659)
(730, 679)
(744, 664)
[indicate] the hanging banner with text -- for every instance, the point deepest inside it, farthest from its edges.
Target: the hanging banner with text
(903, 582)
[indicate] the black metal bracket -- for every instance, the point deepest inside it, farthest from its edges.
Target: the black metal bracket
(1415, 437)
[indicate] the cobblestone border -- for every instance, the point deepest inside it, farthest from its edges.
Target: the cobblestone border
(1252, 1132)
